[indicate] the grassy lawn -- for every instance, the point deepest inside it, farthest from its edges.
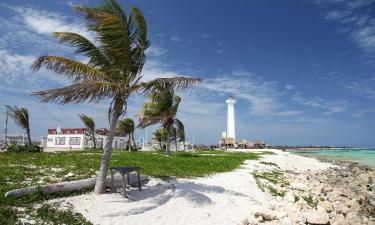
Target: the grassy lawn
(18, 170)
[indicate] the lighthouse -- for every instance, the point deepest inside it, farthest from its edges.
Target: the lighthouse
(231, 130)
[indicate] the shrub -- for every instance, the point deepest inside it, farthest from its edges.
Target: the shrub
(24, 148)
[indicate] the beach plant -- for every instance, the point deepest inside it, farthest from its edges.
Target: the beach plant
(310, 201)
(160, 136)
(127, 127)
(21, 118)
(90, 125)
(114, 68)
(162, 108)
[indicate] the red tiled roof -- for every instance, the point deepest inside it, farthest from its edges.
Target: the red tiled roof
(68, 131)
(101, 131)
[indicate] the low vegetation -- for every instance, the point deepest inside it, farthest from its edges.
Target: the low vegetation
(25, 148)
(269, 180)
(21, 169)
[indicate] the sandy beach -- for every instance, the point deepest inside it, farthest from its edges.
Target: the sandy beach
(221, 199)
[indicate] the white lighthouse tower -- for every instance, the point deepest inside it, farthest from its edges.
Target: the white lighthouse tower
(231, 130)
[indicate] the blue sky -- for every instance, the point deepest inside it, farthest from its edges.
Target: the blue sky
(302, 71)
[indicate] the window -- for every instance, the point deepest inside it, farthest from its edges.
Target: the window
(50, 139)
(74, 141)
(59, 140)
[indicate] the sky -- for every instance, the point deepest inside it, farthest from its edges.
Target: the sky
(302, 71)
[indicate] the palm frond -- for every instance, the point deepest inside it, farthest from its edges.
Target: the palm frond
(176, 83)
(87, 90)
(126, 126)
(20, 116)
(180, 128)
(88, 122)
(71, 68)
(141, 31)
(84, 46)
(111, 25)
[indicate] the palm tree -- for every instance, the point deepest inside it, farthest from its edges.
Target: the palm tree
(162, 108)
(181, 133)
(114, 69)
(21, 118)
(90, 125)
(127, 127)
(160, 136)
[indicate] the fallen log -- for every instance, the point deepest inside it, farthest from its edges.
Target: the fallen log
(74, 185)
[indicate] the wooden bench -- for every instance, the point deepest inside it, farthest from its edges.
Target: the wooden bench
(125, 171)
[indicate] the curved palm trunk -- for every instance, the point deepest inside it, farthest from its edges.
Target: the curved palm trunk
(168, 148)
(175, 141)
(135, 145)
(93, 139)
(100, 181)
(28, 136)
(130, 143)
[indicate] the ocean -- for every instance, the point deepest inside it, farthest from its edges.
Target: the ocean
(362, 156)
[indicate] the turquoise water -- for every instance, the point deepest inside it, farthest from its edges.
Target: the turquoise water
(362, 156)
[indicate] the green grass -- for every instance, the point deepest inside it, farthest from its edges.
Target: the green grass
(19, 170)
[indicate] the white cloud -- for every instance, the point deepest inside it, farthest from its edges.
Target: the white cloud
(155, 51)
(261, 94)
(289, 87)
(206, 36)
(357, 18)
(362, 87)
(329, 107)
(44, 22)
(175, 39)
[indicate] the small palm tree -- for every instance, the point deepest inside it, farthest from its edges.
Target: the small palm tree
(127, 127)
(21, 118)
(114, 69)
(162, 108)
(160, 136)
(90, 125)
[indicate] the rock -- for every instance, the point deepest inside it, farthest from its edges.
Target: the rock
(316, 217)
(340, 208)
(371, 223)
(245, 221)
(371, 200)
(327, 188)
(355, 170)
(326, 205)
(289, 197)
(266, 214)
(286, 221)
(280, 215)
(340, 220)
(298, 186)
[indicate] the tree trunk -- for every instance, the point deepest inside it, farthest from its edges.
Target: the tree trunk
(100, 181)
(93, 139)
(175, 141)
(28, 136)
(168, 148)
(135, 145)
(184, 145)
(130, 143)
(161, 147)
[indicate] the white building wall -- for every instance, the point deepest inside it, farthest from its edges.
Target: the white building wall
(118, 142)
(52, 141)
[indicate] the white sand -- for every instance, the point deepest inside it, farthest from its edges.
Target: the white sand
(221, 199)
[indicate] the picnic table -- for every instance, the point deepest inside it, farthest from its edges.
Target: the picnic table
(125, 171)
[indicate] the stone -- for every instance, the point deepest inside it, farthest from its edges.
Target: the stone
(326, 205)
(289, 197)
(298, 186)
(340, 208)
(245, 221)
(266, 214)
(316, 217)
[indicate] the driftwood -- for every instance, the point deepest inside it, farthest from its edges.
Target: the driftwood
(74, 185)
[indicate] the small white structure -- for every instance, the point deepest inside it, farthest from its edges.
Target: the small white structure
(231, 131)
(81, 138)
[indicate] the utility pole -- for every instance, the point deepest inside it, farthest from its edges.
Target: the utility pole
(6, 127)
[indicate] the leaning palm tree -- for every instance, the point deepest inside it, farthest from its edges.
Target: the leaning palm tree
(181, 133)
(21, 118)
(90, 125)
(160, 136)
(127, 127)
(114, 69)
(162, 108)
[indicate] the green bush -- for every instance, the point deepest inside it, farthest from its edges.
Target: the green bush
(24, 148)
